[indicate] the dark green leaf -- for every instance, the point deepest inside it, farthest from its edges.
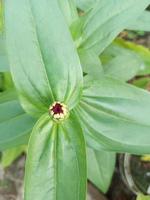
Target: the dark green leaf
(7, 81)
(1, 16)
(56, 160)
(142, 82)
(4, 65)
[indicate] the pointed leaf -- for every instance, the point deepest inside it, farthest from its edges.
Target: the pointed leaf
(47, 68)
(106, 21)
(56, 160)
(141, 51)
(91, 64)
(101, 166)
(116, 115)
(121, 63)
(15, 124)
(142, 23)
(10, 155)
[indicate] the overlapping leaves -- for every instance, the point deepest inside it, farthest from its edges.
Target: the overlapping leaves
(105, 21)
(15, 124)
(46, 68)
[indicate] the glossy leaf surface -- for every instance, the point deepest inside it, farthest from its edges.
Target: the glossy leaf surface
(4, 64)
(106, 21)
(116, 115)
(69, 10)
(91, 64)
(124, 66)
(101, 166)
(141, 51)
(142, 22)
(15, 124)
(47, 68)
(56, 160)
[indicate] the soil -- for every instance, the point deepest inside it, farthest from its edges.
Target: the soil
(11, 184)
(11, 180)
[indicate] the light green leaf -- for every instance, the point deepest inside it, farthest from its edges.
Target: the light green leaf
(15, 124)
(4, 65)
(142, 23)
(56, 160)
(47, 68)
(106, 21)
(69, 10)
(10, 155)
(85, 4)
(143, 197)
(91, 64)
(142, 51)
(121, 63)
(101, 165)
(116, 115)
(1, 16)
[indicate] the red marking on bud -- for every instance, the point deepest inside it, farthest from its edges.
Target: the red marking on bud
(57, 109)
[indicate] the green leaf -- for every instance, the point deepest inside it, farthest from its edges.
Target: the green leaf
(143, 197)
(4, 65)
(85, 4)
(142, 82)
(142, 23)
(142, 51)
(106, 21)
(91, 64)
(1, 82)
(1, 16)
(10, 155)
(121, 63)
(56, 160)
(15, 124)
(7, 81)
(69, 10)
(101, 166)
(47, 68)
(116, 115)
